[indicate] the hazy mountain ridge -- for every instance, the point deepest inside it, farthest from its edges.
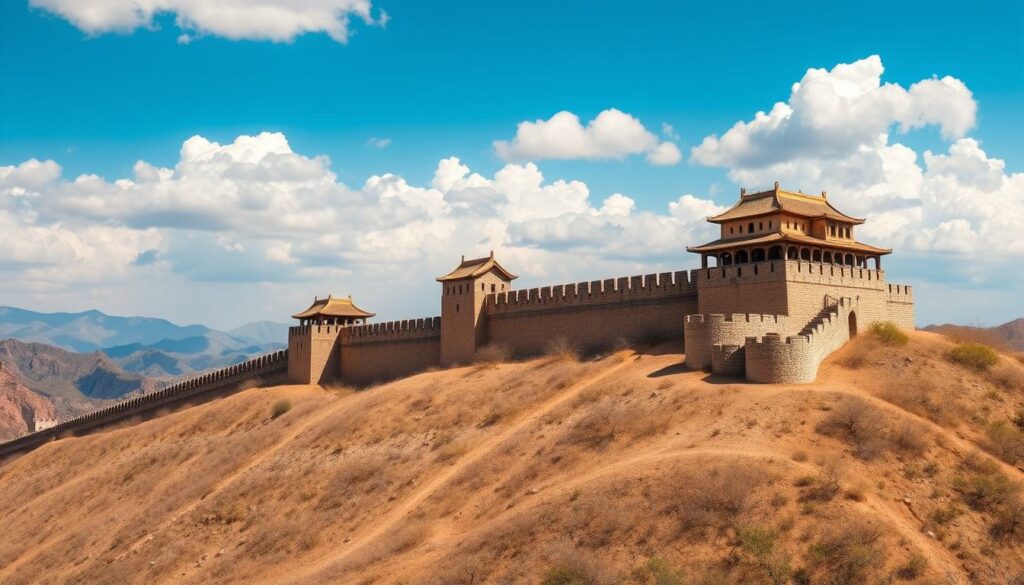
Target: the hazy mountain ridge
(148, 346)
(1009, 335)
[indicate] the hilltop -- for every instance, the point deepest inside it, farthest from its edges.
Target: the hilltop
(627, 468)
(1009, 335)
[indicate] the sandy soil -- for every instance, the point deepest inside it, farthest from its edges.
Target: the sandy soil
(622, 469)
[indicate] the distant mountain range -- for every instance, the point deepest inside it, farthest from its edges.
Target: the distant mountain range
(1009, 335)
(155, 348)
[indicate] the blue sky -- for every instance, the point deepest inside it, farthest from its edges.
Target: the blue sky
(448, 79)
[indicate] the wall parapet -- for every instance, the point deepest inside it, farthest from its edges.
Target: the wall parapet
(789, 270)
(795, 359)
(391, 331)
(648, 287)
(272, 363)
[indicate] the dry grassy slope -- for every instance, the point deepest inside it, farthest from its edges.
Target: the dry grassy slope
(515, 472)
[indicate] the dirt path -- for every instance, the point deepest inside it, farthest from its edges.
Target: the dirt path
(369, 535)
(899, 519)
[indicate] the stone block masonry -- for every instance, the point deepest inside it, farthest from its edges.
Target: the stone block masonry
(591, 315)
(384, 351)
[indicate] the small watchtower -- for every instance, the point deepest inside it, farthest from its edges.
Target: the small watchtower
(463, 291)
(314, 355)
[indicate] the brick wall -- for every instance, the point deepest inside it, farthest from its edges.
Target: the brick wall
(384, 351)
(703, 332)
(591, 314)
(314, 353)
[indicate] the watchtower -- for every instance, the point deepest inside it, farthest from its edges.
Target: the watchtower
(313, 352)
(463, 291)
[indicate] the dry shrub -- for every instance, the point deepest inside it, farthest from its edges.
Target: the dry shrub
(1008, 520)
(718, 500)
(655, 571)
(847, 553)
(1006, 441)
(407, 536)
(984, 487)
(973, 355)
(1008, 376)
(606, 420)
(888, 333)
(859, 423)
(914, 392)
(452, 450)
(574, 567)
(913, 568)
(562, 349)
(759, 546)
(280, 407)
(493, 353)
(821, 488)
(865, 427)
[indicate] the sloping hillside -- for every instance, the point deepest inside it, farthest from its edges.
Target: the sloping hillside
(74, 382)
(20, 407)
(896, 465)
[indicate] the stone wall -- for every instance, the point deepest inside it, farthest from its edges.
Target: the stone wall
(900, 305)
(384, 351)
(269, 369)
(314, 351)
(795, 359)
(703, 332)
(593, 314)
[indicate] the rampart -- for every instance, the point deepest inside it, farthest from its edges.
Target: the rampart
(795, 359)
(704, 332)
(384, 351)
(314, 351)
(591, 314)
(267, 369)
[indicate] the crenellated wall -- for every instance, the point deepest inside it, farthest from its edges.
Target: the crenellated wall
(900, 305)
(384, 351)
(591, 314)
(703, 332)
(268, 369)
(795, 359)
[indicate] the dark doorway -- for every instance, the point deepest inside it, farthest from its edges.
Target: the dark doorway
(853, 325)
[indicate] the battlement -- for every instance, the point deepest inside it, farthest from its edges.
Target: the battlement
(900, 293)
(392, 331)
(315, 329)
(735, 318)
(596, 292)
(790, 270)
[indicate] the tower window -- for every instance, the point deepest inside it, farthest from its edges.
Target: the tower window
(750, 228)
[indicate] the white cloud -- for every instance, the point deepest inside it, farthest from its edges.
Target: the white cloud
(611, 135)
(835, 133)
(273, 20)
(378, 142)
(255, 211)
(833, 114)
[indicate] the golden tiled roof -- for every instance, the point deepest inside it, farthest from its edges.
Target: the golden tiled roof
(476, 267)
(776, 200)
(333, 307)
(777, 238)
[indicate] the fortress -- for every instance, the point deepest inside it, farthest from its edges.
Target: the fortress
(784, 285)
(788, 286)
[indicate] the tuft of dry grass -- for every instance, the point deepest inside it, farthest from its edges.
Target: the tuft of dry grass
(976, 356)
(492, 353)
(847, 553)
(865, 427)
(562, 349)
(888, 333)
(280, 408)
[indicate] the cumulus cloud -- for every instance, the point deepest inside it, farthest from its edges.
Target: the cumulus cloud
(836, 133)
(255, 211)
(613, 134)
(271, 20)
(834, 114)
